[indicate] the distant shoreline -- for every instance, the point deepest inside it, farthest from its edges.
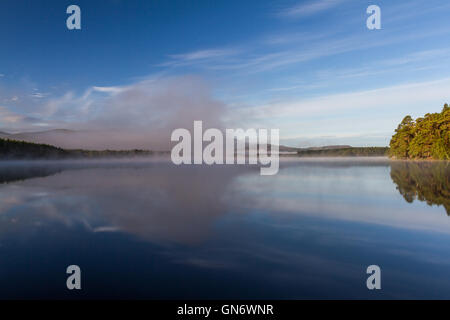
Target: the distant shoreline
(22, 150)
(345, 152)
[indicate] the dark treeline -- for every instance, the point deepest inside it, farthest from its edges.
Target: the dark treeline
(425, 181)
(345, 152)
(12, 149)
(425, 138)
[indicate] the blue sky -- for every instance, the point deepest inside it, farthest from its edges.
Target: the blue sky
(310, 68)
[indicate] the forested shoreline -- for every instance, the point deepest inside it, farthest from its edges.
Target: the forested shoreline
(345, 152)
(13, 149)
(426, 137)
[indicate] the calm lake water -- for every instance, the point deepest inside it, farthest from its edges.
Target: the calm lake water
(149, 229)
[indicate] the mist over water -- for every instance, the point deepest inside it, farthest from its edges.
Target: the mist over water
(138, 116)
(150, 229)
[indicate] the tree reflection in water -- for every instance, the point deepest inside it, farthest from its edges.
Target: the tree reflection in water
(423, 180)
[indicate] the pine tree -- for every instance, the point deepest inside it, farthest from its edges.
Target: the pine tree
(425, 138)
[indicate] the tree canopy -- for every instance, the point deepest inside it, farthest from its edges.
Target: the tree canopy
(427, 137)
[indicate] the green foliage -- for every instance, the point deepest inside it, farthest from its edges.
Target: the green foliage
(425, 181)
(425, 138)
(345, 152)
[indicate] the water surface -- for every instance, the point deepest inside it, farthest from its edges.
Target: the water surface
(149, 229)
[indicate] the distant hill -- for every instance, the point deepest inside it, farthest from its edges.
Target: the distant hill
(328, 147)
(344, 152)
(282, 148)
(58, 143)
(44, 137)
(91, 139)
(293, 149)
(71, 139)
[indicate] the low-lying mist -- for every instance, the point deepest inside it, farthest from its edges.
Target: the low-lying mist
(139, 116)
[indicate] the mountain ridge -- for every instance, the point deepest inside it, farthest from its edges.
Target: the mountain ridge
(48, 137)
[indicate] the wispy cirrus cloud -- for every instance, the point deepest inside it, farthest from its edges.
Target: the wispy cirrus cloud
(345, 115)
(310, 8)
(39, 95)
(295, 37)
(111, 90)
(414, 61)
(403, 96)
(288, 50)
(199, 56)
(204, 54)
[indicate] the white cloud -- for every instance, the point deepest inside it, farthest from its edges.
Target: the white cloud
(350, 115)
(313, 7)
(302, 48)
(8, 117)
(38, 95)
(420, 60)
(400, 97)
(204, 54)
(112, 90)
(198, 57)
